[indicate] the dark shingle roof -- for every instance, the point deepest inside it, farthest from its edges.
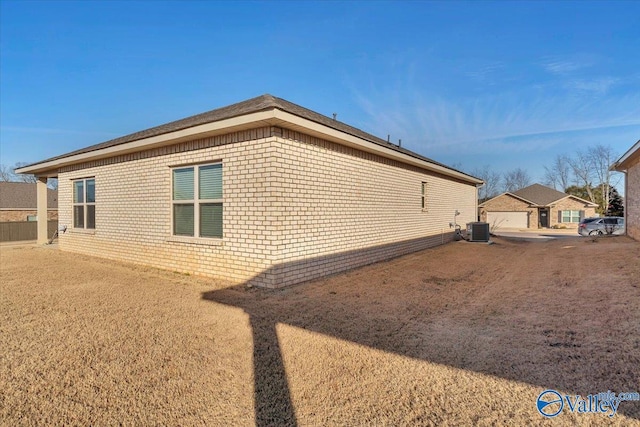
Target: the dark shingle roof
(253, 105)
(22, 195)
(540, 194)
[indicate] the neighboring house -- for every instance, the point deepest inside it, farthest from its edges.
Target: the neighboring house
(536, 206)
(263, 192)
(629, 163)
(18, 202)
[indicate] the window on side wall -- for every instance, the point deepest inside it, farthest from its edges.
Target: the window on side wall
(571, 216)
(84, 203)
(424, 196)
(197, 201)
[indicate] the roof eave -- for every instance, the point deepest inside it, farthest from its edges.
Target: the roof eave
(622, 164)
(507, 193)
(200, 131)
(580, 199)
(270, 117)
(340, 137)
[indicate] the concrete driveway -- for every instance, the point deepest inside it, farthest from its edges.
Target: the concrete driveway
(536, 235)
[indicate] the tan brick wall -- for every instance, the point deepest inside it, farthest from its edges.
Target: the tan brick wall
(21, 215)
(569, 204)
(293, 209)
(133, 211)
(342, 208)
(632, 197)
(508, 203)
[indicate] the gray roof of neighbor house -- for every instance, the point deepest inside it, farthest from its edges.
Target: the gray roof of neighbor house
(540, 194)
(22, 195)
(254, 105)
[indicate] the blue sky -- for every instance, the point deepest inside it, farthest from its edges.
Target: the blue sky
(510, 84)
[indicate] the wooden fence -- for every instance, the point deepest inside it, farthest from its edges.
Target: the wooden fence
(24, 230)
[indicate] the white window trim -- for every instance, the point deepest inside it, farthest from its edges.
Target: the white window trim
(571, 217)
(206, 241)
(84, 203)
(196, 238)
(85, 231)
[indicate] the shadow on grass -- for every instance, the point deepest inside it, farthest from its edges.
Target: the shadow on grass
(273, 406)
(401, 320)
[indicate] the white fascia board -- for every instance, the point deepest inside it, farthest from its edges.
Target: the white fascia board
(507, 193)
(617, 165)
(274, 117)
(586, 202)
(353, 141)
(175, 137)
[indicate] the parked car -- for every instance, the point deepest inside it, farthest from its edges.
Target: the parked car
(601, 226)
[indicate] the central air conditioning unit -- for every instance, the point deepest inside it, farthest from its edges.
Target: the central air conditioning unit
(478, 232)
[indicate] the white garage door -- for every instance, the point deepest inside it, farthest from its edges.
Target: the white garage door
(507, 219)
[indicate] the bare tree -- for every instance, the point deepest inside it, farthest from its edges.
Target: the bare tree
(558, 174)
(23, 177)
(601, 158)
(592, 165)
(515, 179)
(52, 183)
(491, 180)
(582, 168)
(6, 173)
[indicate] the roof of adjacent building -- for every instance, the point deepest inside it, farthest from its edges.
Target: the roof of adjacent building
(23, 195)
(540, 195)
(255, 105)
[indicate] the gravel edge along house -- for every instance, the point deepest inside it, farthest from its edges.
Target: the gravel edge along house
(262, 192)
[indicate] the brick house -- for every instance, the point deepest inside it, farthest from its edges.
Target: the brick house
(629, 164)
(18, 202)
(535, 206)
(262, 192)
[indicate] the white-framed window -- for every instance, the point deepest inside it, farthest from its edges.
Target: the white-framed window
(84, 203)
(197, 200)
(571, 216)
(423, 198)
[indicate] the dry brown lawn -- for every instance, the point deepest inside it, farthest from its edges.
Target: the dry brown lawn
(464, 334)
